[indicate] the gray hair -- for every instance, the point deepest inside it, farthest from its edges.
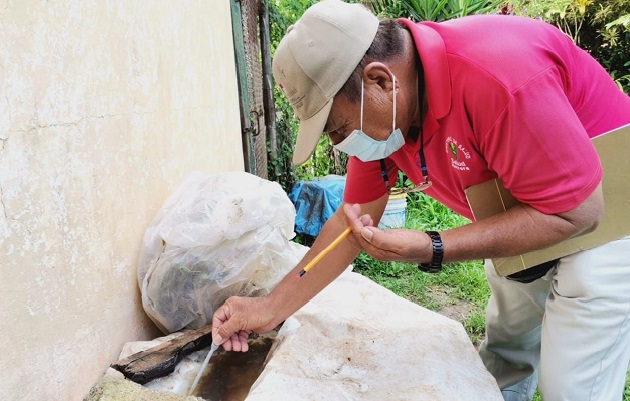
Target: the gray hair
(388, 44)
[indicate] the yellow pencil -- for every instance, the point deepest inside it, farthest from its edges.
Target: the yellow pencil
(324, 252)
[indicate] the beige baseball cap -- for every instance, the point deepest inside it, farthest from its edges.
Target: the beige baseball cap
(315, 59)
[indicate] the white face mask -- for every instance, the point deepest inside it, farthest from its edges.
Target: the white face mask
(366, 148)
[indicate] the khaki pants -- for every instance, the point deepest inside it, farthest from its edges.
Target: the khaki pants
(567, 333)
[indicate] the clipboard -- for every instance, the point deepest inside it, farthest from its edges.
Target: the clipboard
(491, 197)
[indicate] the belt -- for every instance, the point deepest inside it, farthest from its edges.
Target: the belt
(533, 273)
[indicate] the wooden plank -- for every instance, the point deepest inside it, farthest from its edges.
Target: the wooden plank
(161, 360)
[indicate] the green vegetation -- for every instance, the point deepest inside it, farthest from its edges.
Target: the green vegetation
(431, 10)
(600, 27)
(460, 287)
(326, 160)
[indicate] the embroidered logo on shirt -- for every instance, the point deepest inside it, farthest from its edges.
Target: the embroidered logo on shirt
(456, 151)
(453, 149)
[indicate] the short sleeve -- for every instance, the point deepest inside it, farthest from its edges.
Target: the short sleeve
(364, 182)
(540, 149)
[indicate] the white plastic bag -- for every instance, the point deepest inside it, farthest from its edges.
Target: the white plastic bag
(216, 236)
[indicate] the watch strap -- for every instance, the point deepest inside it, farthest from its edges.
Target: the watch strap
(435, 266)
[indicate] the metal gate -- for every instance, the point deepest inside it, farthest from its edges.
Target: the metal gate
(246, 15)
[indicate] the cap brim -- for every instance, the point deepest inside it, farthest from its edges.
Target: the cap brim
(309, 133)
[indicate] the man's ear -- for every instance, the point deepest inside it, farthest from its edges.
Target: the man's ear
(379, 74)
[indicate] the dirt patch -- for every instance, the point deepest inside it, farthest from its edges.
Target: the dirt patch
(448, 305)
(459, 312)
(445, 303)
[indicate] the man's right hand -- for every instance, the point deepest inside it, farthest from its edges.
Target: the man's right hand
(238, 317)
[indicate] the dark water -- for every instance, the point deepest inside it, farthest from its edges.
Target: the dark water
(230, 375)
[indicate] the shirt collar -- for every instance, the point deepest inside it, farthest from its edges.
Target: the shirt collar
(432, 51)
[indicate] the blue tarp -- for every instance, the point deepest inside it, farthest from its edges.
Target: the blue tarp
(315, 201)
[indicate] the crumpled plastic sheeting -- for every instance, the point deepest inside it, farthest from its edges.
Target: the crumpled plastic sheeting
(358, 341)
(216, 236)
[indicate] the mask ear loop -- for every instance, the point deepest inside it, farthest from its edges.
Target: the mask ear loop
(361, 114)
(394, 112)
(382, 162)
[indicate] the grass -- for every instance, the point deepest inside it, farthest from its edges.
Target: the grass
(460, 284)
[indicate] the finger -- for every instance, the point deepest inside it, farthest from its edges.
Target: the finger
(368, 233)
(227, 344)
(395, 244)
(384, 240)
(351, 211)
(227, 329)
(219, 317)
(352, 215)
(366, 220)
(228, 321)
(243, 336)
(235, 342)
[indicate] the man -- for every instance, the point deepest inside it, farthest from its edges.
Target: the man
(453, 105)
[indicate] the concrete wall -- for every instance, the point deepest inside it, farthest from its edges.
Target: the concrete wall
(105, 107)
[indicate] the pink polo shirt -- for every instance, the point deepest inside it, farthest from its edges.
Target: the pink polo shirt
(508, 97)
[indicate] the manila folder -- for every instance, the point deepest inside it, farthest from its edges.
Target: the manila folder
(489, 198)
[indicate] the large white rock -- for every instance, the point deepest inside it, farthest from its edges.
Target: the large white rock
(357, 340)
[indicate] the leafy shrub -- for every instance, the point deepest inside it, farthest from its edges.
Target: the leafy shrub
(600, 28)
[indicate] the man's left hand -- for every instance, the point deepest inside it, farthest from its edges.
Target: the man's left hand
(390, 245)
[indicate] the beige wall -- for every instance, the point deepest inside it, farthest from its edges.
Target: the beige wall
(105, 107)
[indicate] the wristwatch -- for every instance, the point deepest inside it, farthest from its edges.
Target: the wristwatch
(435, 266)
